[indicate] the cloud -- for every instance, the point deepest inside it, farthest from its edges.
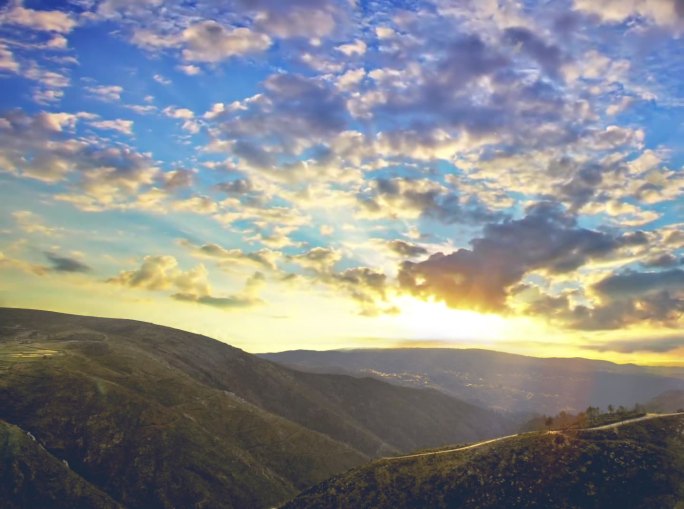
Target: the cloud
(7, 61)
(162, 80)
(105, 176)
(406, 249)
(480, 278)
(118, 8)
(656, 345)
(119, 125)
(662, 12)
(263, 259)
(358, 47)
(107, 93)
(181, 113)
(548, 56)
(366, 286)
(408, 198)
(30, 222)
(66, 264)
(297, 18)
(7, 262)
(209, 41)
(620, 300)
(50, 21)
(249, 296)
(632, 284)
(158, 273)
(319, 259)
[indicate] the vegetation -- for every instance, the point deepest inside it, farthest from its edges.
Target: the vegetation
(158, 418)
(639, 465)
(592, 417)
(41, 480)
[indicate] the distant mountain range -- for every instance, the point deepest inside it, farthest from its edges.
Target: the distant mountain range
(106, 413)
(500, 381)
(670, 401)
(636, 466)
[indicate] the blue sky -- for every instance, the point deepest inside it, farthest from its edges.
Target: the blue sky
(321, 174)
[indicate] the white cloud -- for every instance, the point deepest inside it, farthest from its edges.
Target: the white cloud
(174, 112)
(209, 41)
(357, 47)
(162, 80)
(190, 70)
(122, 126)
(116, 8)
(49, 21)
(108, 93)
(7, 62)
(663, 12)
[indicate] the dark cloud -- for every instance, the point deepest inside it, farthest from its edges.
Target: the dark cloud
(679, 7)
(178, 179)
(582, 186)
(479, 278)
(270, 132)
(106, 174)
(629, 284)
(397, 197)
(228, 258)
(406, 249)
(656, 345)
(66, 264)
(234, 302)
(548, 56)
(662, 261)
(307, 102)
(622, 300)
(238, 186)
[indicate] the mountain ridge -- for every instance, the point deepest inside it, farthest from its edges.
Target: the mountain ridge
(132, 405)
(505, 382)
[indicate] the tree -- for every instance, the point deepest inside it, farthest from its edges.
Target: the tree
(593, 412)
(548, 422)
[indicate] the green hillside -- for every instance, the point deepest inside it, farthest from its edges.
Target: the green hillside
(638, 465)
(157, 417)
(40, 479)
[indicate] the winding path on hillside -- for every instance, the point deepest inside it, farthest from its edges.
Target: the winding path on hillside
(500, 439)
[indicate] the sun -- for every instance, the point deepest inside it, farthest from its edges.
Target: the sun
(435, 320)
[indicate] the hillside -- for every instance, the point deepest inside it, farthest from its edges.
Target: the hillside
(501, 381)
(670, 401)
(638, 465)
(157, 417)
(41, 480)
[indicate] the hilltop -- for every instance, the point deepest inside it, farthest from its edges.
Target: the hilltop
(637, 465)
(156, 417)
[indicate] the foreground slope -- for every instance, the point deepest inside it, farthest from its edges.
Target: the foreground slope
(41, 480)
(149, 435)
(498, 380)
(157, 417)
(635, 465)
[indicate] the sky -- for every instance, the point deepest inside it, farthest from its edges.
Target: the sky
(324, 174)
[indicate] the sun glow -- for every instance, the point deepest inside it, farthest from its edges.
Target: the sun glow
(435, 320)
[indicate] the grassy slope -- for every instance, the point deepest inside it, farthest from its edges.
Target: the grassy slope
(40, 479)
(373, 417)
(159, 417)
(150, 435)
(640, 465)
